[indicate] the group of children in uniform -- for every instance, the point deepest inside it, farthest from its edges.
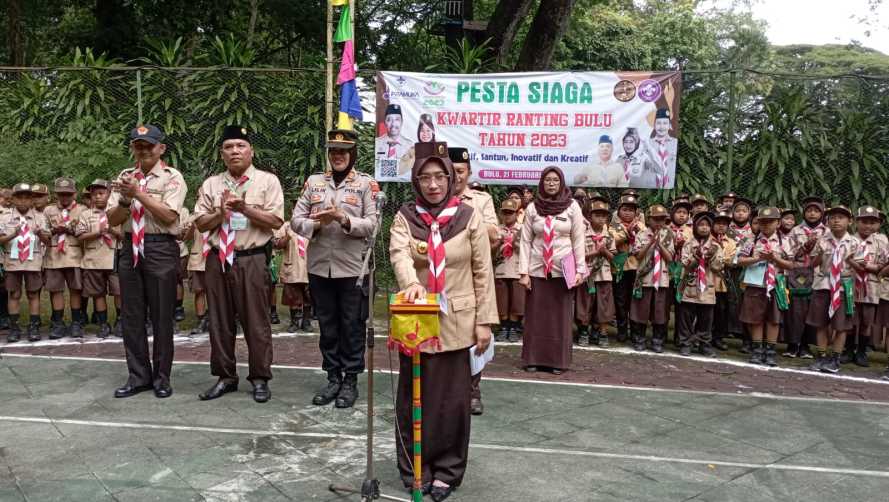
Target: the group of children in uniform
(721, 270)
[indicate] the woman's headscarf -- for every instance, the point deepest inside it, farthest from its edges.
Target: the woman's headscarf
(632, 132)
(552, 205)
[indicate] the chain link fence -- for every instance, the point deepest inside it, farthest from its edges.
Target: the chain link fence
(772, 137)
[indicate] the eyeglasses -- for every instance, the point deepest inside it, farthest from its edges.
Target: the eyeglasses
(551, 181)
(427, 179)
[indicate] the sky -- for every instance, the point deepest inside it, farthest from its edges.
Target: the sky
(822, 21)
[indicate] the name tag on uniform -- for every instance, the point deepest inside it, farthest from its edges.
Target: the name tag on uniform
(351, 199)
(238, 221)
(316, 198)
(561, 218)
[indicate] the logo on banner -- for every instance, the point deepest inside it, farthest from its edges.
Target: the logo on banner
(649, 90)
(433, 88)
(624, 91)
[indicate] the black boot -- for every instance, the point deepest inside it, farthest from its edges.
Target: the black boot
(349, 392)
(792, 350)
(294, 321)
(757, 354)
(502, 333)
(15, 332)
(718, 343)
(306, 323)
(197, 330)
(34, 329)
(820, 361)
(658, 335)
(771, 356)
(57, 328)
(861, 356)
(637, 332)
(179, 313)
(76, 328)
(102, 321)
(848, 355)
(581, 338)
(515, 331)
(832, 364)
(273, 315)
(330, 391)
(118, 328)
(746, 346)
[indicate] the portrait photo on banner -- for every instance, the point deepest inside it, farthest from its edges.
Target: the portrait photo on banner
(603, 129)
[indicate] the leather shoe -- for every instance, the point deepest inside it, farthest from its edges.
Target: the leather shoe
(218, 390)
(261, 392)
(476, 407)
(440, 493)
(163, 391)
(131, 390)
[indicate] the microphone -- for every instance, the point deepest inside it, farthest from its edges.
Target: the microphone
(381, 200)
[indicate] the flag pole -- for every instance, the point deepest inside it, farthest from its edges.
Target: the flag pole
(328, 76)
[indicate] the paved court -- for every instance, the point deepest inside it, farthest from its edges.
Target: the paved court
(63, 437)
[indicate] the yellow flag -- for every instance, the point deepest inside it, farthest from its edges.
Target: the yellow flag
(344, 121)
(337, 3)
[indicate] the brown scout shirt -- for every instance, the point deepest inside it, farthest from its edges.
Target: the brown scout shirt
(690, 292)
(184, 220)
(73, 250)
(97, 255)
(483, 205)
(824, 248)
(262, 191)
(333, 251)
(622, 241)
(508, 268)
(642, 240)
(872, 252)
(599, 267)
(729, 247)
(165, 184)
(750, 248)
(569, 237)
(468, 277)
(293, 266)
(9, 225)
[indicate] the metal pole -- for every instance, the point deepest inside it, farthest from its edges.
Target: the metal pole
(730, 130)
(139, 94)
(328, 77)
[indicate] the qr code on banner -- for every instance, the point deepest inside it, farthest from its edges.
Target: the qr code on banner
(387, 168)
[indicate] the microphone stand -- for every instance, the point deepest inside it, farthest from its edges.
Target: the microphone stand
(370, 488)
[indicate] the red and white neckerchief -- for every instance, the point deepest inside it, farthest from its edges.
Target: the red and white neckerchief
(631, 232)
(549, 236)
(702, 270)
(836, 269)
(771, 272)
(66, 219)
(678, 234)
(137, 213)
(507, 248)
(662, 153)
(435, 244)
(861, 276)
(627, 169)
(24, 240)
(301, 243)
(391, 153)
(658, 268)
(227, 235)
(103, 227)
(205, 243)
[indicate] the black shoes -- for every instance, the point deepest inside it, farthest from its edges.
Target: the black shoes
(771, 357)
(203, 326)
(104, 331)
(118, 329)
(163, 391)
(603, 341)
(75, 330)
(792, 351)
(329, 392)
(832, 365)
(348, 393)
(758, 355)
(218, 390)
(719, 344)
(57, 329)
(861, 358)
(261, 392)
(273, 317)
(476, 407)
(305, 324)
(440, 493)
(15, 333)
(34, 332)
(179, 313)
(129, 390)
(684, 350)
(818, 365)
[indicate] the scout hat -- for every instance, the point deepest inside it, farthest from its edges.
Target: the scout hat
(341, 139)
(580, 193)
(423, 152)
(599, 206)
(868, 212)
(99, 183)
(678, 203)
(628, 200)
(458, 155)
(768, 213)
(147, 133)
(64, 185)
(594, 196)
(662, 113)
(393, 109)
(788, 210)
(657, 211)
(475, 185)
(839, 208)
(605, 139)
(698, 197)
(39, 189)
(509, 205)
(722, 214)
(743, 200)
(727, 195)
(629, 191)
(234, 132)
(704, 215)
(813, 201)
(22, 188)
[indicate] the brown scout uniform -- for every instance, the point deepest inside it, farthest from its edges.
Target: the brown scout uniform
(241, 289)
(510, 294)
(819, 309)
(756, 307)
(598, 285)
(99, 276)
(294, 273)
(654, 306)
(696, 315)
(28, 271)
(63, 269)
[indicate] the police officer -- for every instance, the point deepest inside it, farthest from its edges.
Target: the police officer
(337, 212)
(241, 208)
(146, 201)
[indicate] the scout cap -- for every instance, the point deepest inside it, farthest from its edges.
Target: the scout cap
(813, 201)
(629, 191)
(868, 212)
(788, 210)
(342, 139)
(99, 183)
(423, 152)
(599, 206)
(64, 185)
(698, 197)
(393, 109)
(704, 215)
(509, 205)
(769, 213)
(234, 132)
(839, 208)
(475, 185)
(657, 211)
(594, 196)
(722, 214)
(745, 201)
(39, 189)
(628, 200)
(580, 193)
(458, 155)
(147, 133)
(22, 188)
(678, 203)
(727, 195)
(662, 113)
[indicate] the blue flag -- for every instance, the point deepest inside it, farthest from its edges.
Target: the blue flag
(350, 103)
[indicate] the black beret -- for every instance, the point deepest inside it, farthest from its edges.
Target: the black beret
(458, 154)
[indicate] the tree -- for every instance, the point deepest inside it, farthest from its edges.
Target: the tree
(546, 30)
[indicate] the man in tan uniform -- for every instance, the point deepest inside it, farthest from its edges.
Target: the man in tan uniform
(145, 201)
(61, 265)
(241, 207)
(24, 232)
(484, 205)
(337, 213)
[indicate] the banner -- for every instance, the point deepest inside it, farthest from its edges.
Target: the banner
(603, 129)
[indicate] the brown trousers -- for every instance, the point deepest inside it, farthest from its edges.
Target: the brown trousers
(445, 381)
(240, 292)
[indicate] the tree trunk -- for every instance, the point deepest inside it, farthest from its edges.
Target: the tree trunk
(251, 28)
(546, 31)
(505, 21)
(15, 33)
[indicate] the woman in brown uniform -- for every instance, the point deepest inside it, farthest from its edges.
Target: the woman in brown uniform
(437, 222)
(553, 228)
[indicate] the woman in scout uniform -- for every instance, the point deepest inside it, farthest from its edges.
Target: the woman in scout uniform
(553, 234)
(600, 251)
(867, 263)
(702, 260)
(24, 232)
(510, 294)
(624, 231)
(800, 278)
(765, 256)
(832, 309)
(728, 292)
(295, 277)
(440, 245)
(99, 242)
(654, 249)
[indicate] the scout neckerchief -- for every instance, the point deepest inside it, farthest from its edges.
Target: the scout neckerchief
(771, 273)
(549, 235)
(630, 229)
(205, 243)
(66, 219)
(662, 154)
(227, 234)
(702, 268)
(137, 212)
(506, 249)
(24, 240)
(391, 153)
(861, 276)
(657, 269)
(744, 231)
(678, 234)
(818, 230)
(301, 243)
(627, 168)
(103, 229)
(836, 269)
(435, 243)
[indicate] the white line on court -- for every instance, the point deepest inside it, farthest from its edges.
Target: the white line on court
(477, 446)
(761, 395)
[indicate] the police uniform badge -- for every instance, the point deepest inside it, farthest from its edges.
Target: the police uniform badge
(422, 247)
(142, 130)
